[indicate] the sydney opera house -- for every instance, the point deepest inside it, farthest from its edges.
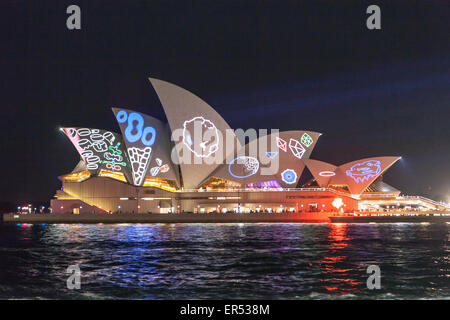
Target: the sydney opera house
(196, 163)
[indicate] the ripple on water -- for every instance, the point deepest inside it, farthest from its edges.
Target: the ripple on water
(219, 261)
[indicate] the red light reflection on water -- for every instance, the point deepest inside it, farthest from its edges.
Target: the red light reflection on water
(338, 236)
(337, 273)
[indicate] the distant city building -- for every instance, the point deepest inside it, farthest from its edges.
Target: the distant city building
(196, 163)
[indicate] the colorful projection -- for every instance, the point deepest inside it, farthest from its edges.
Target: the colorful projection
(159, 168)
(96, 147)
(281, 144)
(364, 171)
(306, 140)
(296, 148)
(135, 129)
(139, 138)
(249, 165)
(271, 155)
(271, 184)
(207, 142)
(114, 158)
(139, 159)
(289, 176)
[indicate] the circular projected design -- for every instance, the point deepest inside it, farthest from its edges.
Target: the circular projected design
(135, 129)
(121, 116)
(289, 176)
(249, 165)
(148, 131)
(133, 132)
(207, 142)
(327, 173)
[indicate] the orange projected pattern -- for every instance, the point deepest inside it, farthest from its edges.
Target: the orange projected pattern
(76, 177)
(220, 184)
(159, 183)
(112, 174)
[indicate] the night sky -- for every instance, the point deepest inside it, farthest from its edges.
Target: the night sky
(309, 65)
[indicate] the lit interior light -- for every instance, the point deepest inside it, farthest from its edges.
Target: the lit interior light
(337, 203)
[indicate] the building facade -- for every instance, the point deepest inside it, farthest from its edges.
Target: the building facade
(196, 163)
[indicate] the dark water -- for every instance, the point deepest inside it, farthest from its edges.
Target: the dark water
(218, 261)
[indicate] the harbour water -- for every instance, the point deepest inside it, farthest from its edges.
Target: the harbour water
(225, 261)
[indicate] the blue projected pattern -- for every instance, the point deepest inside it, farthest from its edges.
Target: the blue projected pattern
(121, 116)
(364, 171)
(250, 166)
(135, 129)
(271, 155)
(143, 137)
(289, 176)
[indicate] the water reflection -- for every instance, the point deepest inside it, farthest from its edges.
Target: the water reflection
(338, 273)
(337, 236)
(217, 261)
